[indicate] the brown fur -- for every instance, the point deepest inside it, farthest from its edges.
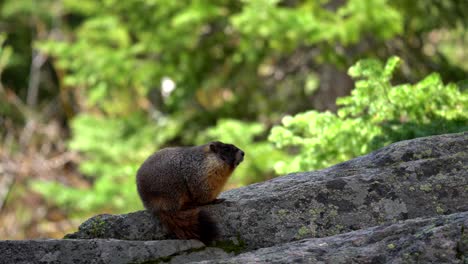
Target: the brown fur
(173, 182)
(184, 224)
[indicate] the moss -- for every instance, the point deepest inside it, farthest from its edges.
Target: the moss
(302, 232)
(333, 213)
(427, 152)
(425, 231)
(97, 227)
(230, 246)
(321, 216)
(423, 154)
(335, 230)
(425, 187)
(391, 246)
(440, 210)
(440, 176)
(314, 212)
(282, 212)
(93, 228)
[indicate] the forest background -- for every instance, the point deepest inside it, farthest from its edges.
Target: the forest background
(89, 89)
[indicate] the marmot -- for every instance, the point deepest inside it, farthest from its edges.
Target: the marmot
(173, 182)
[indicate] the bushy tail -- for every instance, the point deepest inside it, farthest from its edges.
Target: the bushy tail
(190, 224)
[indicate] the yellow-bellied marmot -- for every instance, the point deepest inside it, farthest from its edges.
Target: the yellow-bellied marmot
(173, 182)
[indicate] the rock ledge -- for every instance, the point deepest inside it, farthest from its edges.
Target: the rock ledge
(407, 202)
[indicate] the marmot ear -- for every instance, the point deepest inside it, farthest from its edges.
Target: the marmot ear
(213, 147)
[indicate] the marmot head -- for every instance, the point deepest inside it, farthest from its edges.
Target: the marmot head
(229, 153)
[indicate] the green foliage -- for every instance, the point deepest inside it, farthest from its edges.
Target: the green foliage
(310, 23)
(226, 61)
(5, 56)
(114, 153)
(375, 114)
(119, 52)
(5, 53)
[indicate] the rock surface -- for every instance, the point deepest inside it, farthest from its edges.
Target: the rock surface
(105, 251)
(442, 239)
(409, 179)
(408, 202)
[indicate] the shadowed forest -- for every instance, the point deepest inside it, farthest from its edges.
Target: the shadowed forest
(89, 89)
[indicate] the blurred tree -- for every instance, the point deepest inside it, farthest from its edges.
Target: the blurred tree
(375, 115)
(173, 68)
(134, 76)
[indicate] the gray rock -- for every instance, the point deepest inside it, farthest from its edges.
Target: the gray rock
(133, 226)
(442, 239)
(105, 251)
(405, 203)
(408, 179)
(80, 251)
